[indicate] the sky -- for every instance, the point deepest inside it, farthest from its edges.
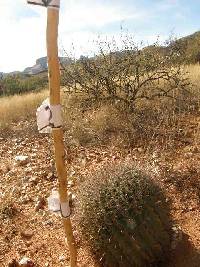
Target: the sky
(23, 26)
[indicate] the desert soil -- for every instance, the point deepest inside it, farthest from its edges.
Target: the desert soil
(27, 228)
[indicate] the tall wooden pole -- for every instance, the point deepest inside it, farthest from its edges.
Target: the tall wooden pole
(54, 85)
(57, 132)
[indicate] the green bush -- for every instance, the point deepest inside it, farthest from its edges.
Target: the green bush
(124, 217)
(16, 84)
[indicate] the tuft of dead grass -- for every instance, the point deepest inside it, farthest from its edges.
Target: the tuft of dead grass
(19, 107)
(8, 208)
(194, 75)
(194, 72)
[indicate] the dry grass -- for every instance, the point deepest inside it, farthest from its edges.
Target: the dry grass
(19, 107)
(103, 124)
(99, 125)
(194, 71)
(194, 74)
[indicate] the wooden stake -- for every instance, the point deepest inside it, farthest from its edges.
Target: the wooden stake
(54, 85)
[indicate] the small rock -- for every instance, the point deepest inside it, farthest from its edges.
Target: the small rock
(62, 258)
(29, 243)
(48, 222)
(33, 180)
(34, 155)
(26, 262)
(13, 263)
(188, 155)
(27, 234)
(72, 173)
(24, 199)
(177, 236)
(40, 204)
(192, 149)
(51, 176)
(83, 162)
(70, 183)
(187, 141)
(140, 150)
(192, 208)
(21, 160)
(71, 197)
(195, 149)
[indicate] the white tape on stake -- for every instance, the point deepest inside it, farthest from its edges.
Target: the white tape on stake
(56, 119)
(65, 209)
(43, 115)
(47, 3)
(54, 205)
(48, 117)
(54, 202)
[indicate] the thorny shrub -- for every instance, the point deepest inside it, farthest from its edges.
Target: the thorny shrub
(126, 75)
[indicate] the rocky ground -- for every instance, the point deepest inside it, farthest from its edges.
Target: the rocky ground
(28, 229)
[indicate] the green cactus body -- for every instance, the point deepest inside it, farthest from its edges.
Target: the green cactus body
(125, 213)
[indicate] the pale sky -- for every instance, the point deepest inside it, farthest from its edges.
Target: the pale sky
(23, 26)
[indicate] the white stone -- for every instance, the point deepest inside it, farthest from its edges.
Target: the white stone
(21, 160)
(26, 262)
(62, 258)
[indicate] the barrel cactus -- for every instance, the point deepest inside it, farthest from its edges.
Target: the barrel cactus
(124, 217)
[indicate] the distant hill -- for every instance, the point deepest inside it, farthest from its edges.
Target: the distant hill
(191, 47)
(41, 65)
(188, 48)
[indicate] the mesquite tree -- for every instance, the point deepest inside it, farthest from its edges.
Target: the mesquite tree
(128, 74)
